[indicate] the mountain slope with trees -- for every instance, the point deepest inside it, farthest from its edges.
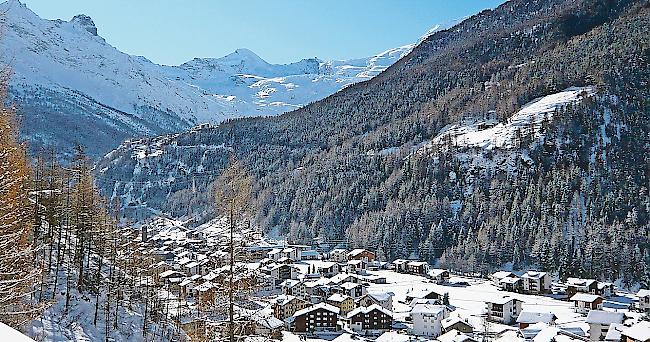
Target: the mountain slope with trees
(353, 166)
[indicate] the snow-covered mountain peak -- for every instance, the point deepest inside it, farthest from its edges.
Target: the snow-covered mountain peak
(64, 71)
(85, 22)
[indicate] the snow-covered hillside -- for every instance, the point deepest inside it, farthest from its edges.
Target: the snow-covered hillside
(66, 77)
(489, 134)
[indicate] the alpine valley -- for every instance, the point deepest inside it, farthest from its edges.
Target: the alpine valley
(490, 182)
(519, 136)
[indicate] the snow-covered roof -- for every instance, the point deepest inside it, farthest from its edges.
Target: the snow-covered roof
(580, 281)
(428, 309)
(510, 280)
(355, 262)
(639, 331)
(643, 293)
(289, 283)
(534, 275)
(283, 299)
(501, 300)
(502, 274)
(436, 272)
(417, 263)
(325, 264)
(614, 332)
(205, 287)
(449, 321)
(169, 273)
(536, 317)
(366, 310)
(323, 306)
(454, 336)
(381, 296)
(357, 251)
(337, 297)
(604, 317)
(349, 285)
(584, 297)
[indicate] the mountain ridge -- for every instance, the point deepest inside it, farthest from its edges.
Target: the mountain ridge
(65, 59)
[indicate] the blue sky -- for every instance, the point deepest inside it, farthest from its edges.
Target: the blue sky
(280, 31)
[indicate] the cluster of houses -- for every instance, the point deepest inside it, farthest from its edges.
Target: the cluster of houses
(334, 294)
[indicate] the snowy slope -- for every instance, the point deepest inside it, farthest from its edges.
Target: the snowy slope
(65, 73)
(527, 121)
(8, 333)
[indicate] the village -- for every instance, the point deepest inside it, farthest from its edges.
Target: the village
(299, 292)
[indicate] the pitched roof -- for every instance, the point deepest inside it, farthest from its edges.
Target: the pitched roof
(323, 306)
(366, 310)
(501, 274)
(337, 297)
(579, 281)
(614, 332)
(448, 322)
(357, 251)
(584, 297)
(604, 317)
(454, 336)
(639, 331)
(536, 317)
(533, 275)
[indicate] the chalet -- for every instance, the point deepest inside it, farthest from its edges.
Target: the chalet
(438, 275)
(338, 255)
(422, 294)
(385, 300)
(291, 287)
(644, 300)
(417, 267)
(361, 254)
(400, 265)
(455, 336)
(536, 282)
(455, 323)
(373, 320)
(356, 266)
(345, 303)
(583, 302)
(606, 290)
(512, 284)
(328, 269)
(504, 310)
(427, 319)
(286, 306)
(639, 332)
(527, 318)
(498, 276)
(577, 285)
(599, 322)
(317, 318)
